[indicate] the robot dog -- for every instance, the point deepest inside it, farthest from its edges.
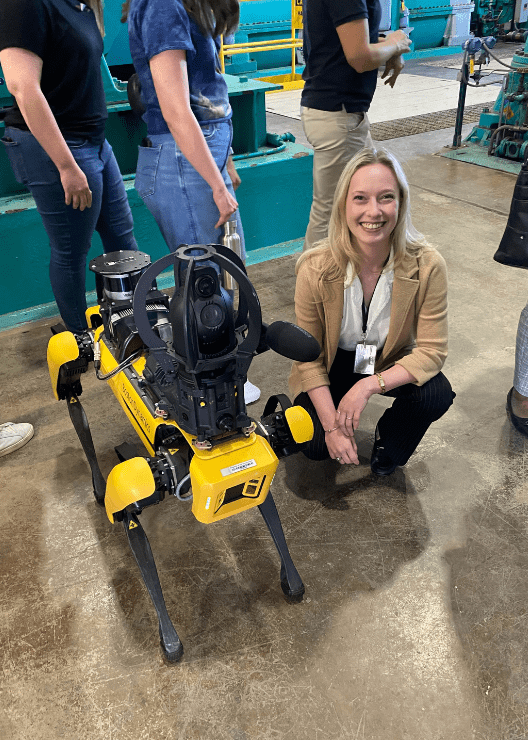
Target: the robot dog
(178, 367)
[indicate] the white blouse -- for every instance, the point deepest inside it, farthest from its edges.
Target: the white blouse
(379, 311)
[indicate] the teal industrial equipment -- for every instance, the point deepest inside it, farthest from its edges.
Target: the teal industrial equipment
(500, 140)
(500, 18)
(275, 195)
(436, 27)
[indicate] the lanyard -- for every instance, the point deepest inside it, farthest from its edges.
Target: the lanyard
(365, 310)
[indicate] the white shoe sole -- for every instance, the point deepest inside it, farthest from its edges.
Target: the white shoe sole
(19, 444)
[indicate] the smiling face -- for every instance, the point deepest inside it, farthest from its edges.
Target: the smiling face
(372, 208)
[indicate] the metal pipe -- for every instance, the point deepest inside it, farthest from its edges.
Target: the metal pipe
(457, 137)
(501, 129)
(275, 150)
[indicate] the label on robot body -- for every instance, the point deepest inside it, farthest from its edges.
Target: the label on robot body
(238, 467)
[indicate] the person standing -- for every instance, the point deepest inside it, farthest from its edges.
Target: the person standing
(343, 52)
(50, 52)
(185, 174)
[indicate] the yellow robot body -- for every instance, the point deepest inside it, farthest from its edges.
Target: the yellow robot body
(231, 478)
(143, 421)
(62, 349)
(300, 424)
(128, 482)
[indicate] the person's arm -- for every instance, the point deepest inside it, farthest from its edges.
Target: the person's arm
(232, 172)
(341, 445)
(392, 69)
(352, 404)
(22, 71)
(364, 56)
(427, 356)
(169, 73)
(431, 341)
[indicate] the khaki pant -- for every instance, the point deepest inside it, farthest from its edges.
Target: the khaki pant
(335, 136)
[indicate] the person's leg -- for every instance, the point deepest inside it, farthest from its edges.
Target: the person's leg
(177, 196)
(69, 230)
(335, 136)
(114, 225)
(415, 408)
(180, 199)
(519, 397)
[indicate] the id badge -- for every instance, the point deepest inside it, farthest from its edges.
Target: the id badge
(365, 359)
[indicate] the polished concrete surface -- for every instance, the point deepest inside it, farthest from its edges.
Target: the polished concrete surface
(413, 624)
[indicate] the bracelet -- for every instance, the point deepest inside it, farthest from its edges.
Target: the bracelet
(327, 431)
(381, 383)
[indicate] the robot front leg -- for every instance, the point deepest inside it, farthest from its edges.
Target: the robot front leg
(140, 546)
(81, 426)
(291, 582)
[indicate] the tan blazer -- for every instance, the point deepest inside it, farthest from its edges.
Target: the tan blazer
(417, 337)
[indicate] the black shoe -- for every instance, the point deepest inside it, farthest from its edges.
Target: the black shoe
(520, 423)
(380, 462)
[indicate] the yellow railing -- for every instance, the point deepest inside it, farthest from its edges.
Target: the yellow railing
(250, 47)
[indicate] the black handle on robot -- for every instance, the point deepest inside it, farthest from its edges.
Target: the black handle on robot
(289, 340)
(254, 317)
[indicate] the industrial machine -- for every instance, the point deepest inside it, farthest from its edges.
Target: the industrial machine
(500, 140)
(504, 19)
(178, 369)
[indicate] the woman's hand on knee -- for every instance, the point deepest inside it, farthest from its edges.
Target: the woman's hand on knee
(226, 204)
(76, 189)
(352, 404)
(342, 447)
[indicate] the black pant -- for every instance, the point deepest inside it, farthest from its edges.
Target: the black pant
(401, 427)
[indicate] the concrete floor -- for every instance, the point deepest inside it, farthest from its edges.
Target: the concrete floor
(413, 624)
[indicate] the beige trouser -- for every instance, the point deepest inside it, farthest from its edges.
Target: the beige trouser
(335, 136)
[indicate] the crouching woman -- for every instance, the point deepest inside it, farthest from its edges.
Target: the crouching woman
(374, 294)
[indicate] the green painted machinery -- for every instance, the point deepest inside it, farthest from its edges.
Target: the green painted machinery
(275, 195)
(498, 18)
(500, 139)
(502, 131)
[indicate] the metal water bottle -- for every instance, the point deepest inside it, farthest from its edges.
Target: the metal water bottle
(232, 241)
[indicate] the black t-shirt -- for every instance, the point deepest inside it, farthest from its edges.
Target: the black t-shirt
(330, 82)
(70, 45)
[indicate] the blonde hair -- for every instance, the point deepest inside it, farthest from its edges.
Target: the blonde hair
(339, 247)
(97, 8)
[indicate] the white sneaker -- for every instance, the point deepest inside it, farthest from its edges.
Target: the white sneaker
(13, 436)
(251, 393)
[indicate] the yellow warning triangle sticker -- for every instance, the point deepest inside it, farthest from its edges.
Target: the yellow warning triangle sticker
(132, 525)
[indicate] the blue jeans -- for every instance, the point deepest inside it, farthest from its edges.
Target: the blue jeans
(69, 229)
(177, 196)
